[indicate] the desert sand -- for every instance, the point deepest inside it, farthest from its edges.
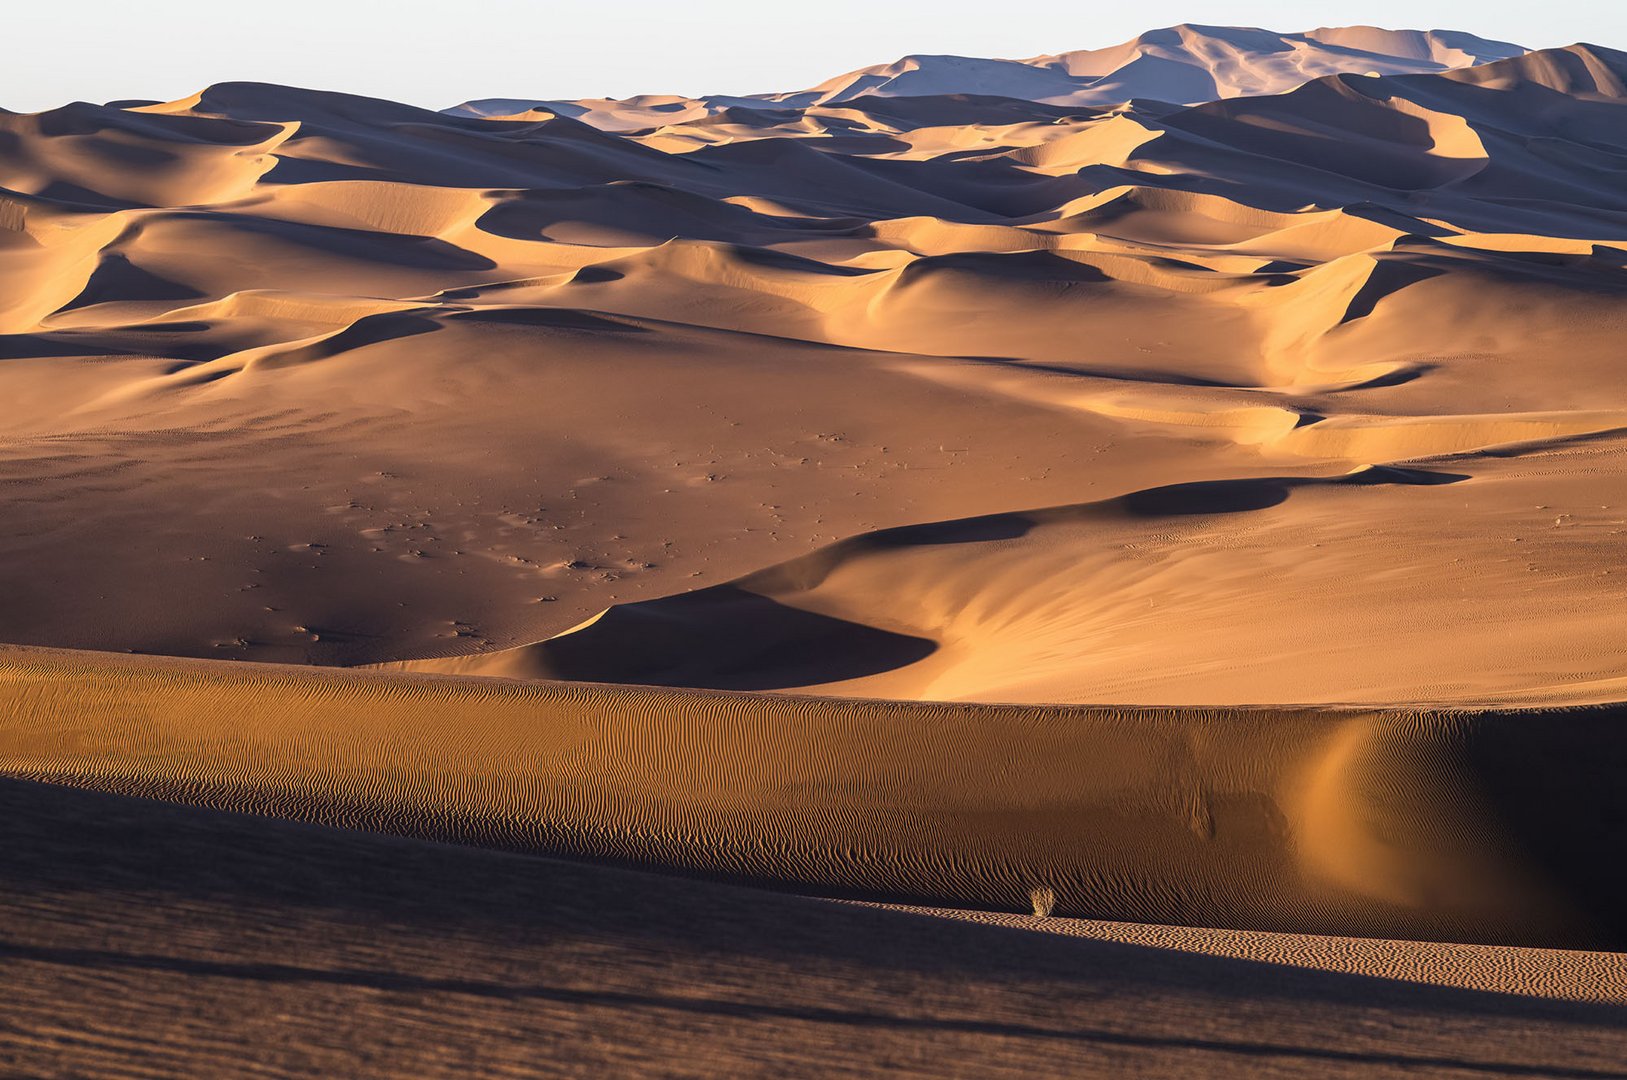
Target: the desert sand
(1188, 477)
(144, 939)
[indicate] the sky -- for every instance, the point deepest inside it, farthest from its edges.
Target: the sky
(438, 54)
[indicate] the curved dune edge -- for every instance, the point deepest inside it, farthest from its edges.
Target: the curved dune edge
(1144, 599)
(1486, 826)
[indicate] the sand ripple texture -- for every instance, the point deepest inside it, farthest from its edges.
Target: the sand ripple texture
(1469, 826)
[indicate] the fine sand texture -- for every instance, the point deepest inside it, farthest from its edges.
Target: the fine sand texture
(1182, 484)
(148, 940)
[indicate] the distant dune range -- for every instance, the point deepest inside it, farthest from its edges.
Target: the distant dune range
(1190, 476)
(1183, 65)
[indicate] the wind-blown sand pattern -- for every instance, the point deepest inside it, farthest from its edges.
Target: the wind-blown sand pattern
(1189, 477)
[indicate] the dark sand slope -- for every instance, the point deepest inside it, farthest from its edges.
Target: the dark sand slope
(1468, 826)
(150, 940)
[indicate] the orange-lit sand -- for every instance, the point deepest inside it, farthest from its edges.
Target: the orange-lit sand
(1190, 477)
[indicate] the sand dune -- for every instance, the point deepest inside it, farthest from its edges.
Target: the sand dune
(1461, 825)
(1187, 476)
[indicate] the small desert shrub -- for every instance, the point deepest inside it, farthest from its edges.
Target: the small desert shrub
(1044, 900)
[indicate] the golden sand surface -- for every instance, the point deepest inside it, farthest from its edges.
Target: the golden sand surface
(369, 384)
(1185, 481)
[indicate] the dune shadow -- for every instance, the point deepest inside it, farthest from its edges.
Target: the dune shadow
(552, 318)
(393, 249)
(1388, 276)
(1262, 493)
(55, 344)
(1153, 376)
(117, 278)
(1399, 377)
(1554, 790)
(978, 530)
(733, 637)
(725, 638)
(1403, 475)
(1210, 497)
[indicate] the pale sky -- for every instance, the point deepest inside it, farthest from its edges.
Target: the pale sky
(440, 53)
